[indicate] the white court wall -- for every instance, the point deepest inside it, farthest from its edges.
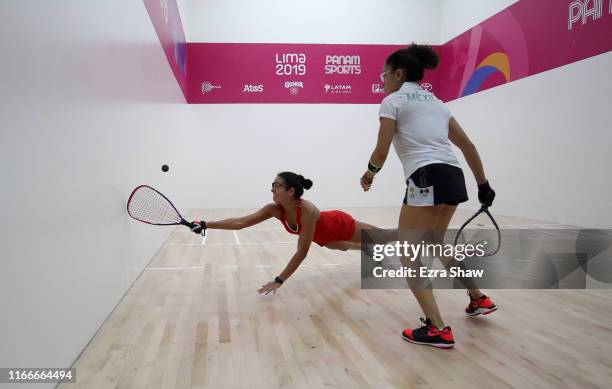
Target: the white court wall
(545, 141)
(458, 16)
(330, 144)
(88, 109)
(315, 21)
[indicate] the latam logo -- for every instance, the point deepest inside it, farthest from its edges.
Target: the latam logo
(253, 88)
(208, 87)
(342, 64)
(377, 88)
(294, 86)
(337, 89)
(426, 86)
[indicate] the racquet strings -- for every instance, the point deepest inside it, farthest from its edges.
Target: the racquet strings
(481, 229)
(149, 206)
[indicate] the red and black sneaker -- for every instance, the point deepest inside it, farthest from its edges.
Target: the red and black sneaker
(481, 306)
(430, 335)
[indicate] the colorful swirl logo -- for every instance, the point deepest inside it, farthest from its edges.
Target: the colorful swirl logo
(494, 63)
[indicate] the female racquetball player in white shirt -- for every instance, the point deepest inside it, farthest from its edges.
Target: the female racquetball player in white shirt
(422, 129)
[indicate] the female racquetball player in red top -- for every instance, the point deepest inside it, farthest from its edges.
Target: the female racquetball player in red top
(332, 229)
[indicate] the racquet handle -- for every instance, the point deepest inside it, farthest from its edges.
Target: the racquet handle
(192, 226)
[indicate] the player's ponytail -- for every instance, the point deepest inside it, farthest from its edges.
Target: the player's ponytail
(296, 181)
(414, 59)
(306, 183)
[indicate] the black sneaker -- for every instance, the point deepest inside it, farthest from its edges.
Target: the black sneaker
(430, 335)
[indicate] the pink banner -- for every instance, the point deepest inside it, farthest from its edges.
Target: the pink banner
(529, 37)
(288, 73)
(166, 20)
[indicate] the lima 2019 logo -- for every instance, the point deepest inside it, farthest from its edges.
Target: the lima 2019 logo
(495, 63)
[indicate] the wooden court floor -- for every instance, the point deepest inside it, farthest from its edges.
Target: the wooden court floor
(193, 319)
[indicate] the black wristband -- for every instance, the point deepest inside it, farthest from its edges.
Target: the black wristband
(373, 168)
(278, 280)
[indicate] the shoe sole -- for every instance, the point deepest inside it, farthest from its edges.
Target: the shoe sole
(438, 345)
(482, 311)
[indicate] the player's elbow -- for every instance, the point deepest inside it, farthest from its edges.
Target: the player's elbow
(468, 147)
(302, 253)
(239, 224)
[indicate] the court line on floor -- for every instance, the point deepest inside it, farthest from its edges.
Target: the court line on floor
(228, 244)
(266, 243)
(176, 268)
(250, 229)
(270, 229)
(325, 264)
(236, 266)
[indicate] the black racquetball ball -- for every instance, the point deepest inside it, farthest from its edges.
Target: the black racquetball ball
(165, 168)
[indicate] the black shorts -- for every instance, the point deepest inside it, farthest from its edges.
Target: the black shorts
(434, 184)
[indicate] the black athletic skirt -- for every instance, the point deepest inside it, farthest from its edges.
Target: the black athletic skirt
(434, 184)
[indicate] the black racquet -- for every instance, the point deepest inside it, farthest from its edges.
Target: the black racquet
(148, 205)
(481, 234)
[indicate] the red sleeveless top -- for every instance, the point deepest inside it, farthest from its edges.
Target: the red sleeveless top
(331, 226)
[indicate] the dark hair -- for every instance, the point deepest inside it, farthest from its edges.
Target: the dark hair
(414, 59)
(296, 181)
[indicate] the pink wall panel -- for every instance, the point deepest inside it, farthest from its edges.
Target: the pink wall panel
(529, 37)
(288, 73)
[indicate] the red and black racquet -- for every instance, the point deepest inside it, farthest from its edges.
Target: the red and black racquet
(149, 206)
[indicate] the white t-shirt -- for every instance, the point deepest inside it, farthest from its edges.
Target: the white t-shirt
(422, 127)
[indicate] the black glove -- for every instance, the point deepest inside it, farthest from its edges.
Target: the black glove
(486, 194)
(198, 227)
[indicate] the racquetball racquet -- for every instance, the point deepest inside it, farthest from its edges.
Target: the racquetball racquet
(492, 249)
(148, 205)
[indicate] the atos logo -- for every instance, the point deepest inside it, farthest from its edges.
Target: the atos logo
(253, 89)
